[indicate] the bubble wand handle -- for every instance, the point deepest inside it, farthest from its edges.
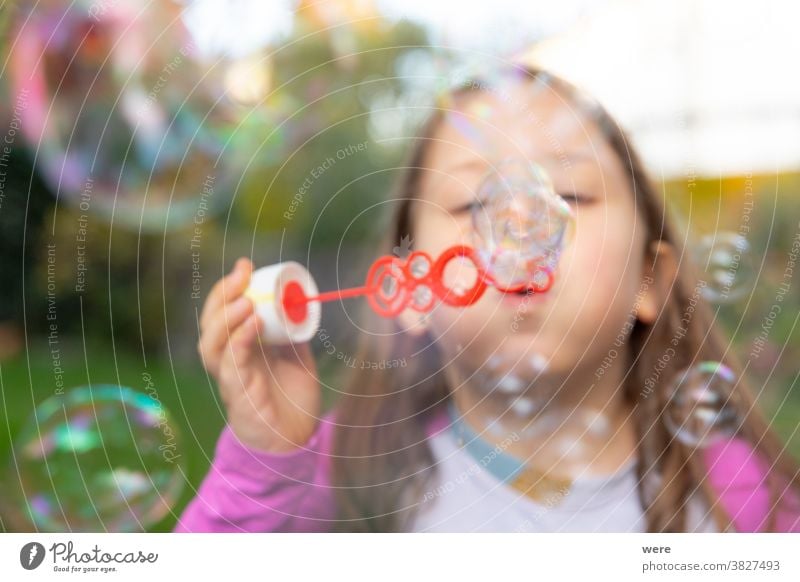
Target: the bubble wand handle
(339, 294)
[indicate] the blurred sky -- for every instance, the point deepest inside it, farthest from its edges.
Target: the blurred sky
(705, 84)
(240, 26)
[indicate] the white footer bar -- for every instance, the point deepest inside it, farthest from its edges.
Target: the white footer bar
(402, 557)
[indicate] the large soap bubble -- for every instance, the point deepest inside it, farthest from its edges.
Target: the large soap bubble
(124, 114)
(520, 223)
(101, 458)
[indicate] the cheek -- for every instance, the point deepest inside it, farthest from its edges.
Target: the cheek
(474, 326)
(438, 230)
(601, 265)
(455, 330)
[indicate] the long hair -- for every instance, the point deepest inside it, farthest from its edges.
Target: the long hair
(381, 459)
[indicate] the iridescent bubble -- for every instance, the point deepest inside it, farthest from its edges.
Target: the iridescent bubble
(520, 224)
(727, 267)
(699, 411)
(100, 458)
(125, 115)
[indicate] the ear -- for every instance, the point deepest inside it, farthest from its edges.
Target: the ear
(413, 322)
(658, 276)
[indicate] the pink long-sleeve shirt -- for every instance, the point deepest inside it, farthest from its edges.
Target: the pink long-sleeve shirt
(248, 490)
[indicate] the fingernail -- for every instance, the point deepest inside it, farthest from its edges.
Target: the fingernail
(238, 274)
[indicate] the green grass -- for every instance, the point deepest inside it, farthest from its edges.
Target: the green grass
(784, 417)
(186, 392)
(183, 389)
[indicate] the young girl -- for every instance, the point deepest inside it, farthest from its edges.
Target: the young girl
(544, 412)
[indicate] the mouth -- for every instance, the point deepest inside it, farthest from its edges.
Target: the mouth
(525, 295)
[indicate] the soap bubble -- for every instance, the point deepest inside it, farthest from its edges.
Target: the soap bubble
(99, 458)
(520, 223)
(726, 263)
(699, 411)
(124, 114)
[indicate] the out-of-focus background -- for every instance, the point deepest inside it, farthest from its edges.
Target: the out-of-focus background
(145, 145)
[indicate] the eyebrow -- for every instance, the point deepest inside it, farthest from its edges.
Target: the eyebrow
(476, 164)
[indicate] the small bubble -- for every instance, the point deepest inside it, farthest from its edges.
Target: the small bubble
(727, 267)
(523, 406)
(511, 384)
(538, 363)
(700, 411)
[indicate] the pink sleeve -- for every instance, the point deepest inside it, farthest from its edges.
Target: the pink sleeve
(739, 477)
(254, 491)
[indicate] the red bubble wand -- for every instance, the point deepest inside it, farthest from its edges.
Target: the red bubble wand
(520, 198)
(392, 284)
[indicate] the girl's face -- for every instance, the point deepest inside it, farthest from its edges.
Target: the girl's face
(599, 280)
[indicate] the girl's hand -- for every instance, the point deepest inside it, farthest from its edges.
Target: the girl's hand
(271, 393)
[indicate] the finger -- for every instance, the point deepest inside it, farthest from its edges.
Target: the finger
(226, 290)
(243, 341)
(220, 329)
(232, 286)
(300, 365)
(297, 353)
(241, 345)
(235, 369)
(216, 296)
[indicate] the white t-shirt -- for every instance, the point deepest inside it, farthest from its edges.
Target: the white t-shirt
(465, 497)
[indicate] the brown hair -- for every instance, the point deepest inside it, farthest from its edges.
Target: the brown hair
(381, 459)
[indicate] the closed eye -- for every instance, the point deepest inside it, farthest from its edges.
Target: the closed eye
(572, 198)
(576, 198)
(469, 207)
